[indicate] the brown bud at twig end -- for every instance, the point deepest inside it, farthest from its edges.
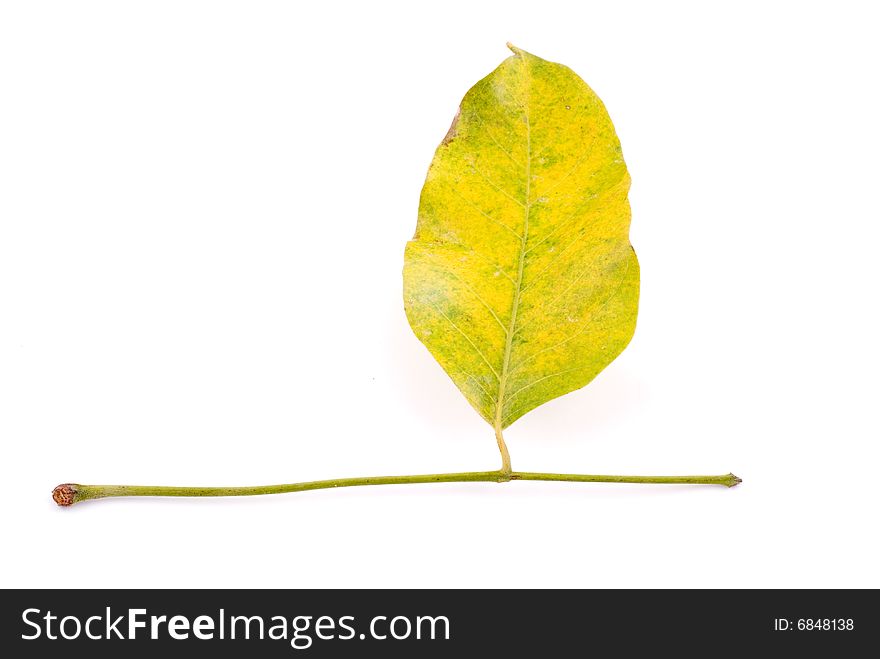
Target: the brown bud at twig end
(65, 495)
(734, 480)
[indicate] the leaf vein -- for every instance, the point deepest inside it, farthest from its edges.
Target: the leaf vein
(484, 213)
(477, 382)
(538, 381)
(469, 340)
(498, 187)
(448, 271)
(575, 215)
(583, 327)
(552, 262)
(508, 348)
(574, 168)
(495, 141)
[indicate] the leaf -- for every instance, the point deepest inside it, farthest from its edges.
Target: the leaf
(521, 279)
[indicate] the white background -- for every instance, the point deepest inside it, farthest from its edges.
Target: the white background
(203, 208)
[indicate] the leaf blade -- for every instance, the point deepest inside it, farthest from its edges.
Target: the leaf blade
(520, 278)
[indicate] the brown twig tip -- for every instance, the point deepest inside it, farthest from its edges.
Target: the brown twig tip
(734, 480)
(65, 495)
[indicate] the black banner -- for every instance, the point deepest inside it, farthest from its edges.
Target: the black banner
(433, 623)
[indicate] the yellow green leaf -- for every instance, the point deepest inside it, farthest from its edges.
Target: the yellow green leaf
(520, 279)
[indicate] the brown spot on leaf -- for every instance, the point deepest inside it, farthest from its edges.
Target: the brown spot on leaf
(451, 133)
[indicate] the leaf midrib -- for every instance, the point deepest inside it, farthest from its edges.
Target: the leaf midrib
(508, 347)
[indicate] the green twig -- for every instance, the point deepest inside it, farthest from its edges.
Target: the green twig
(70, 493)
